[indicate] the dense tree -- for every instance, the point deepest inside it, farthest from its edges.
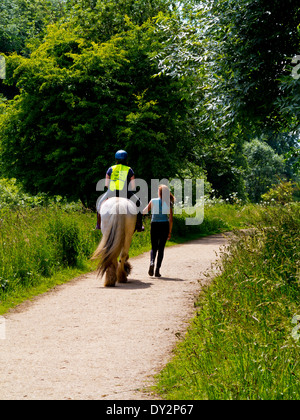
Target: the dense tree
(289, 102)
(22, 25)
(180, 85)
(265, 167)
(25, 20)
(239, 54)
(80, 101)
(99, 20)
(252, 43)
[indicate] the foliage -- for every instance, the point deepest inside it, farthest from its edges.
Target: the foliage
(39, 242)
(12, 195)
(225, 164)
(240, 345)
(243, 47)
(293, 156)
(22, 27)
(289, 101)
(80, 101)
(265, 166)
(239, 56)
(281, 193)
(9, 192)
(176, 84)
(99, 21)
(252, 42)
(24, 20)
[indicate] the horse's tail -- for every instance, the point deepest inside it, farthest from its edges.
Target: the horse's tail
(111, 244)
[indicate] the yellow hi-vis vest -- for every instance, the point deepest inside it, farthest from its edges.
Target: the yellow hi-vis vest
(118, 177)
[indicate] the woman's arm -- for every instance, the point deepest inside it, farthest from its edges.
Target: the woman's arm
(147, 208)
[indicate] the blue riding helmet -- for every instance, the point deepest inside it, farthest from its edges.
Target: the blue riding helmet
(121, 155)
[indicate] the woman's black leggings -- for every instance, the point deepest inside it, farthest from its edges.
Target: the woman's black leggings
(159, 236)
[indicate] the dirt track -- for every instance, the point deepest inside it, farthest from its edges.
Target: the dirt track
(84, 341)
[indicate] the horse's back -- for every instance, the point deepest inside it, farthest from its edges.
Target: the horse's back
(118, 205)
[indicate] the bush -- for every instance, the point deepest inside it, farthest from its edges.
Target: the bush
(210, 225)
(281, 193)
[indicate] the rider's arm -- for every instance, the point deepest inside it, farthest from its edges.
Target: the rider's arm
(132, 183)
(107, 180)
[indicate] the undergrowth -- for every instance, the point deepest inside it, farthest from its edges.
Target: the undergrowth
(243, 342)
(37, 244)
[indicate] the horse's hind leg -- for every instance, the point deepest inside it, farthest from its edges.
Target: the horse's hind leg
(124, 268)
(111, 275)
(122, 271)
(127, 268)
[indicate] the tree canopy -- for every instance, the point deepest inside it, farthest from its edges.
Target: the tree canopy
(182, 86)
(80, 101)
(24, 20)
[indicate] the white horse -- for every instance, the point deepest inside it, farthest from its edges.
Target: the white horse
(118, 220)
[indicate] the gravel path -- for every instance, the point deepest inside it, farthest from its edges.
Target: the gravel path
(84, 341)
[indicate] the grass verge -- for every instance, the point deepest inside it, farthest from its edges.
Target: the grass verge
(244, 341)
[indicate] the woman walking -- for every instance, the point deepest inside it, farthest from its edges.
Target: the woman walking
(161, 226)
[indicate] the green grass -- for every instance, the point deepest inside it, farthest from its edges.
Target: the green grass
(240, 344)
(42, 247)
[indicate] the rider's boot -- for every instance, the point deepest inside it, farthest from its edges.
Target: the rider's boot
(139, 223)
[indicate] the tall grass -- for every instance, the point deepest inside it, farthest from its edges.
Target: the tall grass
(240, 345)
(37, 243)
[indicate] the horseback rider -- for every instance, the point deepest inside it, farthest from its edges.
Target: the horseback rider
(118, 178)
